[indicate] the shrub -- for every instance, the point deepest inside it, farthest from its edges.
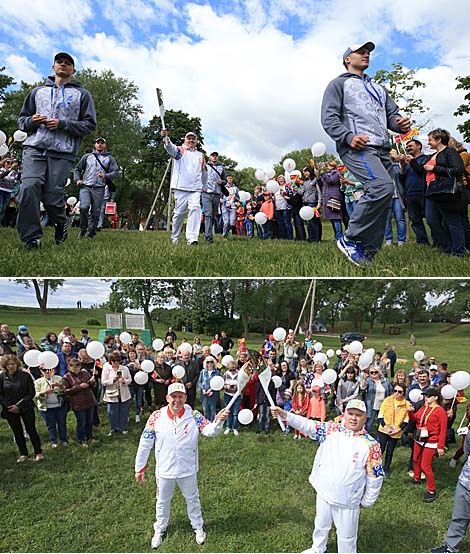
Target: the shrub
(92, 322)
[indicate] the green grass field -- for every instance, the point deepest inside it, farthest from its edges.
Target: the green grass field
(133, 253)
(254, 489)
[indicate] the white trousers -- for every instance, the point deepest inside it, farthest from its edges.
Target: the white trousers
(190, 202)
(165, 490)
(346, 521)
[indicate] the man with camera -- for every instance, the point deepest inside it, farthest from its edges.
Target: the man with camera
(92, 175)
(211, 194)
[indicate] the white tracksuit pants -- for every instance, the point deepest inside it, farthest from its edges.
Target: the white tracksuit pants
(165, 490)
(346, 521)
(191, 202)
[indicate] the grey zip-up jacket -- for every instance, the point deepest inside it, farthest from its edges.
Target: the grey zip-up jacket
(464, 477)
(311, 192)
(214, 173)
(88, 167)
(71, 104)
(354, 105)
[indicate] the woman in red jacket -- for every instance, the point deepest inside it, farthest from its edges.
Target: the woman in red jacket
(430, 435)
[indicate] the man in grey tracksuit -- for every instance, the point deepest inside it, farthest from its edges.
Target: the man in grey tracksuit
(357, 113)
(56, 117)
(212, 193)
(461, 509)
(90, 175)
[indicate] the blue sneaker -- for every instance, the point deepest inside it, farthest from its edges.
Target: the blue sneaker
(353, 251)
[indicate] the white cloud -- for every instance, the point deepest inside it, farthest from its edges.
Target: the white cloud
(20, 68)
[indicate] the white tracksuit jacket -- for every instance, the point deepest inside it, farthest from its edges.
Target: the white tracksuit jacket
(175, 441)
(345, 464)
(189, 168)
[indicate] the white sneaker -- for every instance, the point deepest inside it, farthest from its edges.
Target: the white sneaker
(235, 432)
(200, 536)
(156, 539)
(388, 243)
(411, 473)
(227, 431)
(452, 462)
(295, 437)
(137, 418)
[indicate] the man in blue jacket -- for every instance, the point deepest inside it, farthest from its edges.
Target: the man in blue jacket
(56, 117)
(357, 113)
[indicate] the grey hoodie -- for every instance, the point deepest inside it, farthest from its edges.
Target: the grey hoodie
(464, 477)
(71, 104)
(354, 105)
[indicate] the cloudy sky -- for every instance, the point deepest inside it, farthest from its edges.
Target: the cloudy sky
(89, 291)
(253, 70)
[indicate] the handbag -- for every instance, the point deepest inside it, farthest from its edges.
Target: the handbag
(109, 182)
(357, 194)
(462, 429)
(334, 204)
(113, 393)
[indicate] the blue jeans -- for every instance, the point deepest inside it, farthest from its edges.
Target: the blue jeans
(283, 218)
(249, 228)
(337, 228)
(264, 417)
(370, 420)
(452, 237)
(4, 201)
(232, 420)
(397, 210)
(313, 226)
(267, 230)
(84, 424)
(209, 404)
(138, 392)
(416, 214)
(56, 420)
(228, 217)
(118, 413)
(350, 207)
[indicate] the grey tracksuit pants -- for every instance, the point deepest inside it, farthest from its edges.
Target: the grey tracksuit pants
(460, 517)
(90, 197)
(372, 167)
(210, 203)
(43, 179)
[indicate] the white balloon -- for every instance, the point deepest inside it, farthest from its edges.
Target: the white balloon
(178, 371)
(141, 377)
(244, 196)
(3, 149)
(279, 333)
(245, 416)
(185, 347)
(346, 347)
(318, 149)
(125, 337)
(277, 381)
(272, 186)
(318, 346)
(157, 345)
(260, 175)
(318, 358)
(306, 213)
(448, 392)
(261, 218)
(95, 349)
(338, 352)
(217, 382)
(3, 137)
(227, 359)
(329, 376)
(330, 352)
(460, 380)
(48, 359)
(418, 355)
(365, 359)
(270, 173)
(356, 347)
(415, 395)
(19, 136)
(216, 349)
(30, 358)
(288, 164)
(370, 352)
(287, 177)
(147, 365)
(71, 201)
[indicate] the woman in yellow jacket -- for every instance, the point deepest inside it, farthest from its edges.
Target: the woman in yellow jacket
(393, 418)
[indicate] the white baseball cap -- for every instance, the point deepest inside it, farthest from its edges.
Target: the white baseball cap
(176, 387)
(357, 404)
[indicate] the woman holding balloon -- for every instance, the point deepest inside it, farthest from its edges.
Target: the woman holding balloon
(312, 197)
(117, 378)
(230, 388)
(16, 398)
(332, 197)
(376, 389)
(208, 395)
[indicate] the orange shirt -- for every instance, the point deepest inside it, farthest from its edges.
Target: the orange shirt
(430, 175)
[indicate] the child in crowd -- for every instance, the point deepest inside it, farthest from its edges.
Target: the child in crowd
(317, 407)
(300, 404)
(249, 221)
(267, 207)
(240, 219)
(287, 407)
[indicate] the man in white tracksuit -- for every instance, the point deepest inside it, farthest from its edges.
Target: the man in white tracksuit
(187, 179)
(348, 461)
(174, 431)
